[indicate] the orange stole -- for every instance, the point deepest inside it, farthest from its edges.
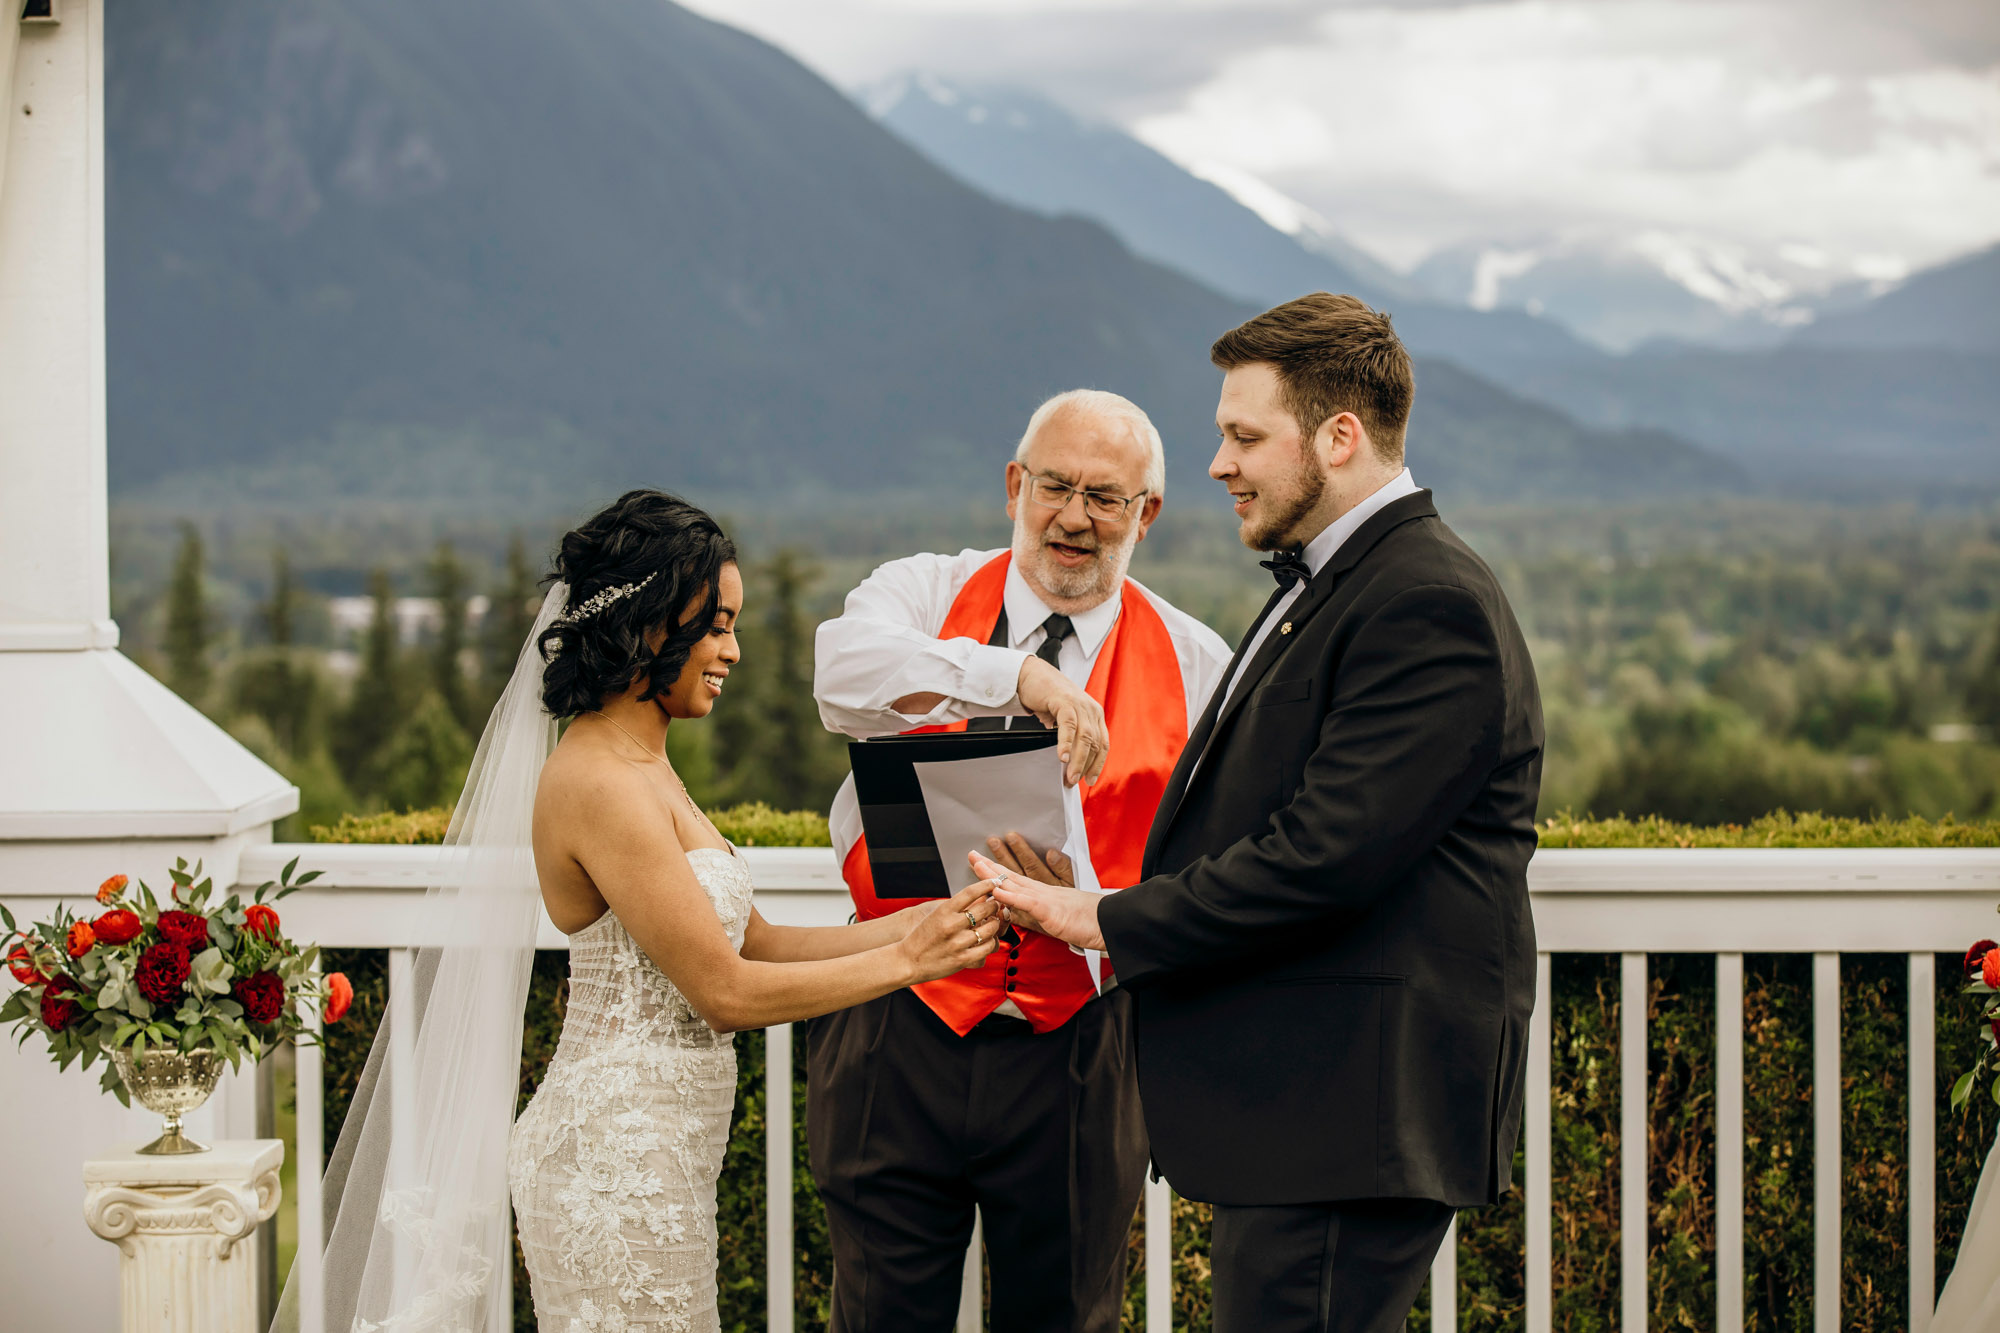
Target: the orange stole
(1138, 680)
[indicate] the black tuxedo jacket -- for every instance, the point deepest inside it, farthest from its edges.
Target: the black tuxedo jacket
(1331, 958)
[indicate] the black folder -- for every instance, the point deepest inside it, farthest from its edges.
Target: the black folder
(902, 850)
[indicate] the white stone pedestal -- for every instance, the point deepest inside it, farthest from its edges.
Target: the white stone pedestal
(186, 1229)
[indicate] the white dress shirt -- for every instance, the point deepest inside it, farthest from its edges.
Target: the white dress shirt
(884, 646)
(1316, 554)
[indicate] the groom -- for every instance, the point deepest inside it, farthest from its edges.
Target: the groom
(1330, 953)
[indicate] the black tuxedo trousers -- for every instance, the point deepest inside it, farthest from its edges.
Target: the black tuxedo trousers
(1330, 956)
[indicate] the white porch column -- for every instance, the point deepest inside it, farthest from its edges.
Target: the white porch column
(102, 769)
(186, 1232)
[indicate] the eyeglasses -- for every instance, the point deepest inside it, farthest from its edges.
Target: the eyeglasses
(1104, 506)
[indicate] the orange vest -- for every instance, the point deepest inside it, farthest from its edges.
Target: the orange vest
(1138, 680)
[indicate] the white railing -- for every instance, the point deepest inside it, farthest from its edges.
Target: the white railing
(1918, 902)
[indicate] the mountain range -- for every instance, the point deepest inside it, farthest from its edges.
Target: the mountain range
(488, 252)
(1814, 382)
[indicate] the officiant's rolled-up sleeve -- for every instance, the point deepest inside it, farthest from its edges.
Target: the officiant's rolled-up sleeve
(884, 647)
(1411, 734)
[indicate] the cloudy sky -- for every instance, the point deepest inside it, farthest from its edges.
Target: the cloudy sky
(1858, 133)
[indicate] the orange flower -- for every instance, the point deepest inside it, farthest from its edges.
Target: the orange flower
(111, 888)
(1989, 970)
(339, 995)
(22, 964)
(260, 920)
(82, 939)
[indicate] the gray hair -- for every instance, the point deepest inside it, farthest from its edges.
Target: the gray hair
(1109, 407)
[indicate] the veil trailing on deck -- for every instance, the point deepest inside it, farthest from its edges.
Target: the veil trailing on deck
(418, 1232)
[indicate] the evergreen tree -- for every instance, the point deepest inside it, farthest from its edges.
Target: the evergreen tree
(375, 708)
(447, 657)
(769, 744)
(423, 764)
(509, 617)
(1982, 691)
(188, 671)
(277, 683)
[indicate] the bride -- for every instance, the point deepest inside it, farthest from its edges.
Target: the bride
(613, 1164)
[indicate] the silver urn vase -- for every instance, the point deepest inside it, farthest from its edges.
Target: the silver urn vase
(172, 1083)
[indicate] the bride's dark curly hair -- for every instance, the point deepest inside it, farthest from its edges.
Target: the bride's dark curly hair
(639, 535)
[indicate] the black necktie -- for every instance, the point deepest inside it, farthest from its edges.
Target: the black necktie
(1056, 628)
(1287, 567)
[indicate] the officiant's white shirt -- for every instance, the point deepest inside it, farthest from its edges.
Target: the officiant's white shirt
(884, 646)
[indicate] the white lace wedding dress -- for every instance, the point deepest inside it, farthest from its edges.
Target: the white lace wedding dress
(613, 1164)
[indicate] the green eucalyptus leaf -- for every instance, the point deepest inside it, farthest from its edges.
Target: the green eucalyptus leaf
(1961, 1091)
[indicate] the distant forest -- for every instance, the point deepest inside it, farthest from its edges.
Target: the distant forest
(1706, 661)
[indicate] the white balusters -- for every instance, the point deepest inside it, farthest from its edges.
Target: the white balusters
(1729, 1143)
(1159, 1256)
(778, 1233)
(1444, 1283)
(1826, 1142)
(1923, 1140)
(1541, 1196)
(1632, 1102)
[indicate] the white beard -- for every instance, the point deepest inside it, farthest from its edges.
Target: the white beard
(1089, 584)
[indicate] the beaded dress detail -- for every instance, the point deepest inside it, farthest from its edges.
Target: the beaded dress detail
(613, 1164)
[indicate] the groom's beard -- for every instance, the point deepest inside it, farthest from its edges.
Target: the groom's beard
(1277, 529)
(1089, 583)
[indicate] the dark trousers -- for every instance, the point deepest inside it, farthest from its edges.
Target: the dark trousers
(911, 1126)
(1353, 1267)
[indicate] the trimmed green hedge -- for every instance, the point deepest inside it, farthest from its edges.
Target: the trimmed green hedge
(1681, 1119)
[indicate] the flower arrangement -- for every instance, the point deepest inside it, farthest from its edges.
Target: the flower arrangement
(185, 975)
(1982, 977)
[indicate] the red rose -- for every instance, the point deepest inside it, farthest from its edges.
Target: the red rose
(81, 939)
(111, 888)
(22, 964)
(262, 995)
(162, 971)
(1976, 955)
(185, 929)
(261, 920)
(118, 926)
(339, 995)
(59, 1012)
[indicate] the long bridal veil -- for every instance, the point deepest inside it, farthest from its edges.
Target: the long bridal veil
(418, 1235)
(1970, 1302)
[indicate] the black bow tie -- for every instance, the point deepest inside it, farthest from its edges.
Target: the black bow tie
(1287, 567)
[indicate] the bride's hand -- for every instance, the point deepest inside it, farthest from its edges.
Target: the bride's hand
(952, 935)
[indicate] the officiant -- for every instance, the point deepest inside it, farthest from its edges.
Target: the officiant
(1010, 1088)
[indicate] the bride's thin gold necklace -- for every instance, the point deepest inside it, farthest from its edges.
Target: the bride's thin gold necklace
(647, 751)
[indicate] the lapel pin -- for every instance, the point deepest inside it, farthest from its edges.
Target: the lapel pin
(1285, 628)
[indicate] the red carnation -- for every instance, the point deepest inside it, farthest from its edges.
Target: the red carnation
(22, 964)
(118, 926)
(80, 940)
(1976, 955)
(111, 888)
(262, 995)
(339, 995)
(59, 1012)
(260, 920)
(162, 971)
(186, 929)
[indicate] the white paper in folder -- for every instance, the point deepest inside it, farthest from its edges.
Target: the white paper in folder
(971, 800)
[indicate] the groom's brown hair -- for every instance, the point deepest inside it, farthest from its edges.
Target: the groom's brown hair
(1333, 354)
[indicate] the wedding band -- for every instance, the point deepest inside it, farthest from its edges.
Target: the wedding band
(972, 920)
(998, 881)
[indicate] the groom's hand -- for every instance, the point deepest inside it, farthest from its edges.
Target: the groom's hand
(1066, 913)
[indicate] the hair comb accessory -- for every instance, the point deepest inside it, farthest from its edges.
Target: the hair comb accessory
(597, 602)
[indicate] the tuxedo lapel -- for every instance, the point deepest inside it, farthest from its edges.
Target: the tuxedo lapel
(1197, 741)
(1216, 718)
